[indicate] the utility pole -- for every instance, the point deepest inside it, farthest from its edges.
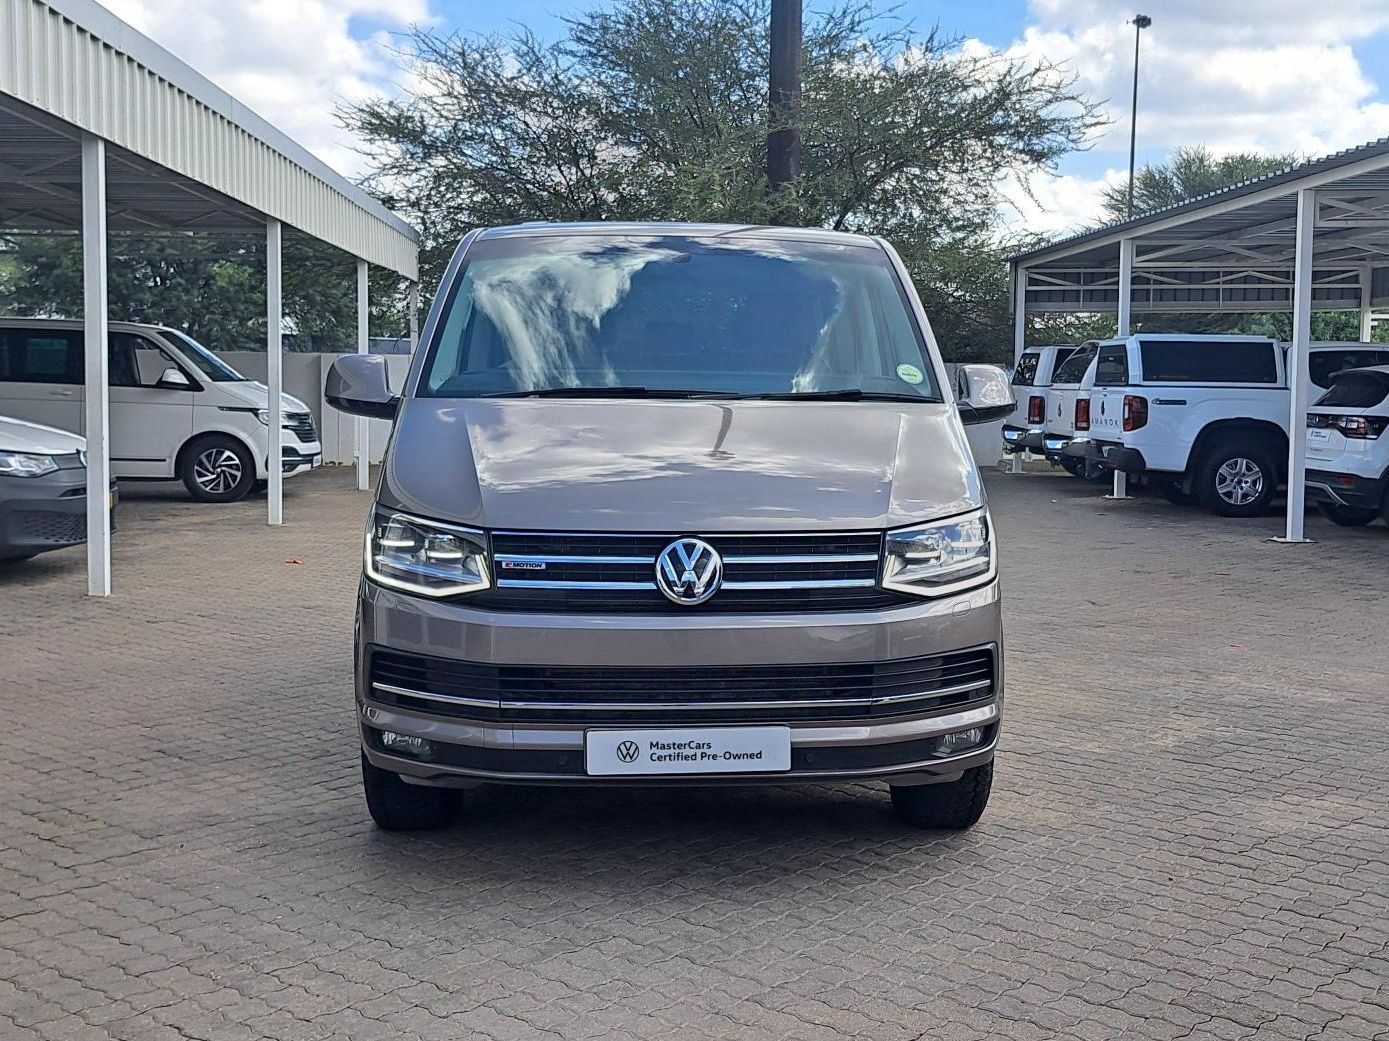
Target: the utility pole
(784, 141)
(1139, 23)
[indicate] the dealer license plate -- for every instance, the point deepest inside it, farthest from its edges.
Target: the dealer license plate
(690, 750)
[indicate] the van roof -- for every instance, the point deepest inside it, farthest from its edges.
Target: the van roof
(688, 230)
(77, 323)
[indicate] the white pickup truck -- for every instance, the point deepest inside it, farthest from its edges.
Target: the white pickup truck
(1205, 416)
(1032, 378)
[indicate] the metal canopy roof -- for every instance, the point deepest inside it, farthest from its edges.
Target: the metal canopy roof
(1232, 250)
(182, 153)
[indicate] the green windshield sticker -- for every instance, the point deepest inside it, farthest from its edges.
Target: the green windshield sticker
(910, 374)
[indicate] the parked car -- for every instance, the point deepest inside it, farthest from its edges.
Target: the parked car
(1347, 452)
(43, 489)
(177, 410)
(677, 504)
(1066, 440)
(1032, 378)
(1205, 416)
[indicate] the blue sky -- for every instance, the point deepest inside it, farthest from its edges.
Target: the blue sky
(1259, 75)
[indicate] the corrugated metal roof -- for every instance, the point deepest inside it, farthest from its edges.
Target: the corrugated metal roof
(75, 61)
(1288, 177)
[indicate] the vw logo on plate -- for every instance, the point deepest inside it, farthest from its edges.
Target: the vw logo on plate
(689, 571)
(628, 751)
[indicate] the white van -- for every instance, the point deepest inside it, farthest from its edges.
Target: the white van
(178, 412)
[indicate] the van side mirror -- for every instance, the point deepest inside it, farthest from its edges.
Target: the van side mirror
(983, 393)
(358, 385)
(173, 379)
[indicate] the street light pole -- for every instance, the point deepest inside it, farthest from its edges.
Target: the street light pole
(784, 141)
(1139, 23)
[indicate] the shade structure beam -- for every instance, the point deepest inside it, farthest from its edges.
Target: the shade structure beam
(361, 424)
(1297, 371)
(96, 411)
(274, 347)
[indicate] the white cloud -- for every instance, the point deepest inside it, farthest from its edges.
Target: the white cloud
(1055, 205)
(291, 61)
(1273, 76)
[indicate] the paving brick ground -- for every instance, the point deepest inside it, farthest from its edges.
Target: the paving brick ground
(1187, 838)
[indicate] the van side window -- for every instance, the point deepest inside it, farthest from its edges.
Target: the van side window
(136, 362)
(1208, 361)
(1112, 370)
(1026, 372)
(40, 357)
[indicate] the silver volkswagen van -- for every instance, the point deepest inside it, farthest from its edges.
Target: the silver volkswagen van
(674, 504)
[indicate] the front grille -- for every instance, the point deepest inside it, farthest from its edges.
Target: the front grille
(301, 423)
(656, 695)
(616, 573)
(43, 526)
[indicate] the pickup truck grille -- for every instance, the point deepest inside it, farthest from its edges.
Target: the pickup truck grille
(651, 695)
(616, 573)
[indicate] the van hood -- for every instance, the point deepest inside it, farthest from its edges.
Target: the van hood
(678, 466)
(257, 395)
(17, 435)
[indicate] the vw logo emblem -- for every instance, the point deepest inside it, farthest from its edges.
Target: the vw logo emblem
(628, 751)
(689, 571)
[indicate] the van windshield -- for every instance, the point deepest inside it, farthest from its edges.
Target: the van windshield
(207, 363)
(730, 316)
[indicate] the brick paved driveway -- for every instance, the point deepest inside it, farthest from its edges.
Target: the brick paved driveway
(1188, 837)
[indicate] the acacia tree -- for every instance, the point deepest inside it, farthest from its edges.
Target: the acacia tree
(1191, 171)
(657, 110)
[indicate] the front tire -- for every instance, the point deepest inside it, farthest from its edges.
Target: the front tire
(1347, 516)
(218, 468)
(1237, 479)
(952, 806)
(397, 806)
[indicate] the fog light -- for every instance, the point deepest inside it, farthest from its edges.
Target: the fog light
(960, 741)
(406, 744)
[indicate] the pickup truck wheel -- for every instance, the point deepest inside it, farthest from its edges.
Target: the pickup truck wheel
(953, 806)
(397, 806)
(217, 468)
(1347, 516)
(1237, 479)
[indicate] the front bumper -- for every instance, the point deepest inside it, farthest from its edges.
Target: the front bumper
(300, 458)
(1344, 489)
(896, 743)
(38, 514)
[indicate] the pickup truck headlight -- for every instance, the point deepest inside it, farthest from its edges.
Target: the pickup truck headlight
(425, 557)
(26, 464)
(943, 557)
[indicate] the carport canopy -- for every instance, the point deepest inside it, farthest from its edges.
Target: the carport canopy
(100, 127)
(1312, 237)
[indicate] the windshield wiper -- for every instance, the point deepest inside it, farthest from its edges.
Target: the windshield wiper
(852, 394)
(611, 392)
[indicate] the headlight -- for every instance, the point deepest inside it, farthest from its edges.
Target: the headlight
(23, 464)
(942, 557)
(263, 414)
(425, 557)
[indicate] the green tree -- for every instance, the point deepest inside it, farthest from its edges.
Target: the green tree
(211, 286)
(657, 110)
(1190, 171)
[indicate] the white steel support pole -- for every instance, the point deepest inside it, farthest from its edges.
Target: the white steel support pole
(96, 417)
(363, 346)
(1125, 327)
(1018, 282)
(274, 357)
(1303, 255)
(414, 316)
(1367, 274)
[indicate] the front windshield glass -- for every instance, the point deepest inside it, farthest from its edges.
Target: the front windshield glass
(728, 315)
(211, 366)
